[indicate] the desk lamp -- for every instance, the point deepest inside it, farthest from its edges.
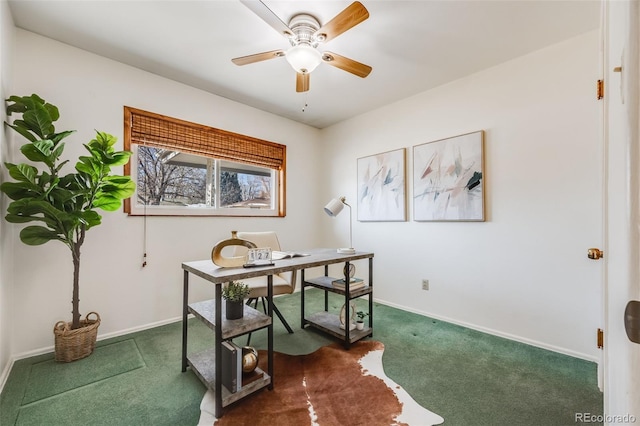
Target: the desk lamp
(333, 208)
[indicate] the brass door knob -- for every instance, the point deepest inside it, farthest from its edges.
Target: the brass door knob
(595, 253)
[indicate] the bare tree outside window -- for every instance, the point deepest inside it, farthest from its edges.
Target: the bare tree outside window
(161, 182)
(172, 178)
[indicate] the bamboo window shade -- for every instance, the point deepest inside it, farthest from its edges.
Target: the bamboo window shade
(147, 128)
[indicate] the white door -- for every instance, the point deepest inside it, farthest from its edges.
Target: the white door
(622, 207)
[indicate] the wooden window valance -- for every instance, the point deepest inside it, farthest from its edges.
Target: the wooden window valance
(147, 128)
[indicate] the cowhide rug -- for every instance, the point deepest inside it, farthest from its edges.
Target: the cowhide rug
(331, 386)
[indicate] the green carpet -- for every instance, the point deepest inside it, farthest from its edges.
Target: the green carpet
(467, 377)
(49, 378)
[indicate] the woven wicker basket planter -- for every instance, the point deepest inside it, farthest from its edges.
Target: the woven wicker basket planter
(71, 345)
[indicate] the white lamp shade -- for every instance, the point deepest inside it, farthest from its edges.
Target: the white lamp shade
(334, 207)
(303, 58)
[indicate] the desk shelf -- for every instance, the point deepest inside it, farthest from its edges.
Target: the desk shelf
(253, 319)
(203, 365)
(330, 323)
(325, 283)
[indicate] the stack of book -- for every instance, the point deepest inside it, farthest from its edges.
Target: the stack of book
(354, 284)
(231, 366)
(232, 376)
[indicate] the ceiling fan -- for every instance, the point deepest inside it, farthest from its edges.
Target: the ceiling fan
(305, 34)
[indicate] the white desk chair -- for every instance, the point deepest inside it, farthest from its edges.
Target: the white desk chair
(283, 283)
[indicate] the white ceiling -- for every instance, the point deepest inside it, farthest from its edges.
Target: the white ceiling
(412, 45)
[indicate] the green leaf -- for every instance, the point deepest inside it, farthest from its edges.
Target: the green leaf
(23, 173)
(63, 197)
(104, 140)
(31, 207)
(13, 218)
(84, 168)
(91, 218)
(57, 137)
(37, 235)
(23, 131)
(118, 189)
(39, 121)
(54, 114)
(39, 151)
(21, 190)
(17, 105)
(60, 166)
(58, 149)
(118, 158)
(107, 202)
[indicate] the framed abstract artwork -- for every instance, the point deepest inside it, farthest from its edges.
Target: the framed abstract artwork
(448, 179)
(381, 187)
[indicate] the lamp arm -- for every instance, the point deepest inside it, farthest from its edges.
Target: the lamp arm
(350, 226)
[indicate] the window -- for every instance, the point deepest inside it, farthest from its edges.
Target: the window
(183, 168)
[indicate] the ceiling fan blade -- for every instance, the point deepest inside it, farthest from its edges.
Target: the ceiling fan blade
(244, 60)
(261, 9)
(346, 64)
(348, 18)
(302, 82)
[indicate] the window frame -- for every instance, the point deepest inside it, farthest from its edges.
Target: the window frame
(278, 175)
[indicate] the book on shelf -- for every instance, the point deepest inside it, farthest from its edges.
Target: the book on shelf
(354, 284)
(278, 255)
(250, 377)
(231, 366)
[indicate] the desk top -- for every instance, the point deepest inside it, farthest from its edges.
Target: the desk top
(317, 257)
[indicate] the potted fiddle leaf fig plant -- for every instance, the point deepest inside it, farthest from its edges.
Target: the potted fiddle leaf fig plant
(65, 205)
(234, 294)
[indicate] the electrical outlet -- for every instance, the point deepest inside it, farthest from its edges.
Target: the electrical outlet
(425, 284)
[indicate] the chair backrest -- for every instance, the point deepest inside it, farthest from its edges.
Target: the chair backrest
(265, 239)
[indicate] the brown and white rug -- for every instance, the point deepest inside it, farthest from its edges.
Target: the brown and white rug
(331, 386)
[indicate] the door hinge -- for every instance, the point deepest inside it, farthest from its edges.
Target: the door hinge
(600, 338)
(600, 89)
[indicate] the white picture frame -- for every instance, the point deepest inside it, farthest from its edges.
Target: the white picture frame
(382, 187)
(448, 179)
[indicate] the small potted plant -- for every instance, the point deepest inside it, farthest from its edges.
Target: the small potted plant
(234, 294)
(360, 320)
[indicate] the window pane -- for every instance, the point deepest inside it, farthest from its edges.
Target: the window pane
(170, 178)
(244, 186)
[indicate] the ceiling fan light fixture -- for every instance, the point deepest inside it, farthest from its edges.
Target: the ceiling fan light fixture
(303, 58)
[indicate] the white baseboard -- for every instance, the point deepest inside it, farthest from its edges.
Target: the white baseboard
(5, 373)
(498, 333)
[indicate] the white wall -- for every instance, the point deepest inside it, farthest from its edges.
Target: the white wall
(6, 232)
(90, 92)
(524, 272)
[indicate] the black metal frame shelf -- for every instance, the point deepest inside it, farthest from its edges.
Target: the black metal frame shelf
(330, 323)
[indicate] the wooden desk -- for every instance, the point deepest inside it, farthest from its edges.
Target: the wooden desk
(210, 312)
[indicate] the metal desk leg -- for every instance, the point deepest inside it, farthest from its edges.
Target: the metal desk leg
(326, 293)
(371, 296)
(302, 298)
(218, 350)
(185, 311)
(347, 307)
(270, 329)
